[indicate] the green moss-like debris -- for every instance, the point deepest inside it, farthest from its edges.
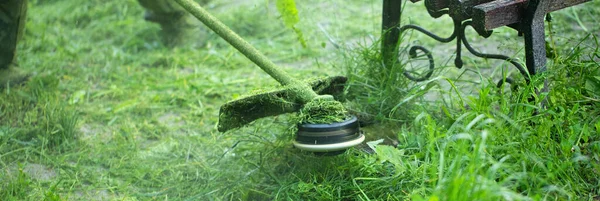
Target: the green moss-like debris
(263, 103)
(259, 104)
(323, 111)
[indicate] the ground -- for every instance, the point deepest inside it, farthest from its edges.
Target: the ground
(109, 113)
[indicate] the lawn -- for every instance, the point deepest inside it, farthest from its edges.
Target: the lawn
(109, 113)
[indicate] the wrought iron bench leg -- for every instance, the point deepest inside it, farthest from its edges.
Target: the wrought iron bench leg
(390, 33)
(533, 29)
(535, 43)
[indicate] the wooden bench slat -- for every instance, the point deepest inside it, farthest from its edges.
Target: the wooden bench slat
(499, 13)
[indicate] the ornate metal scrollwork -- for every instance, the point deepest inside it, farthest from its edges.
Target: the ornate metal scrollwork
(458, 34)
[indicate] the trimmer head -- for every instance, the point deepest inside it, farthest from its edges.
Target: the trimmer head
(329, 139)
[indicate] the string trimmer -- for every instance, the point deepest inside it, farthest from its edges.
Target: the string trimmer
(325, 125)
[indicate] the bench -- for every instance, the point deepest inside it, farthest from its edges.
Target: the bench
(525, 16)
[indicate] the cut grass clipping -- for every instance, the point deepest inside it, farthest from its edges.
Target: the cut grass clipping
(323, 111)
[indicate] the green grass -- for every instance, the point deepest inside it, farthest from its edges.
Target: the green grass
(111, 114)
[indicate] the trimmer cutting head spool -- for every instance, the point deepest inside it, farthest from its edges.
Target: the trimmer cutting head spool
(329, 139)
